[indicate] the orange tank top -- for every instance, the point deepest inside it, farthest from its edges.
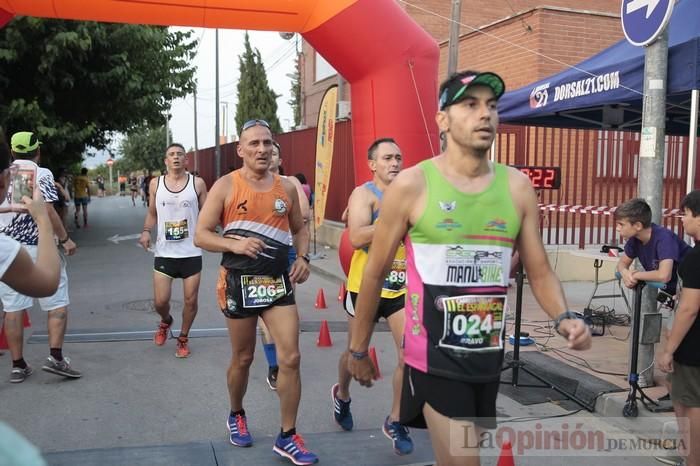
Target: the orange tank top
(263, 215)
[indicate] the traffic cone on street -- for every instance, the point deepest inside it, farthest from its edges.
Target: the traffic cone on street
(320, 300)
(324, 336)
(341, 292)
(26, 323)
(373, 357)
(506, 456)
(3, 338)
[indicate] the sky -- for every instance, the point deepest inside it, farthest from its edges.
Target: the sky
(277, 55)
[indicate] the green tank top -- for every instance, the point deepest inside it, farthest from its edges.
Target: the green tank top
(458, 258)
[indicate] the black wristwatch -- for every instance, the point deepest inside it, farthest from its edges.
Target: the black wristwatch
(564, 316)
(358, 355)
(63, 241)
(306, 258)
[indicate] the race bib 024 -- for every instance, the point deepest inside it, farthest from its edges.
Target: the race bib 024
(261, 290)
(473, 323)
(176, 231)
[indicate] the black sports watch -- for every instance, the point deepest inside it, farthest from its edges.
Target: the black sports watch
(306, 258)
(564, 316)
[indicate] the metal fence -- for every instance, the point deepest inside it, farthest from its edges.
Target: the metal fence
(599, 171)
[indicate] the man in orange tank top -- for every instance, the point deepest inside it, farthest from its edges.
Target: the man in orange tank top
(260, 216)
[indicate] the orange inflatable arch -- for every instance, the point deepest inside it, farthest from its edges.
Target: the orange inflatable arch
(390, 61)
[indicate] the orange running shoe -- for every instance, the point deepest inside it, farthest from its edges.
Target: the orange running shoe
(162, 333)
(183, 350)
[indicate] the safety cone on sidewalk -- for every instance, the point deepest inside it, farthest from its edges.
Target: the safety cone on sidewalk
(506, 457)
(3, 338)
(324, 336)
(26, 323)
(373, 357)
(341, 292)
(320, 300)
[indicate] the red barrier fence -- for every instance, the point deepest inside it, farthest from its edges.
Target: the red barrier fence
(599, 171)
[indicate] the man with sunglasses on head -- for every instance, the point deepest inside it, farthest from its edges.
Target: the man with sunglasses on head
(174, 204)
(261, 216)
(460, 217)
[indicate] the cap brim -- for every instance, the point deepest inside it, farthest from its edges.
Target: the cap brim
(491, 80)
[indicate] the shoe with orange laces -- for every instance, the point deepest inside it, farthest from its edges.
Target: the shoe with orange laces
(293, 449)
(162, 333)
(183, 350)
(238, 430)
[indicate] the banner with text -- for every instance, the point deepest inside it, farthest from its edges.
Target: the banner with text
(325, 138)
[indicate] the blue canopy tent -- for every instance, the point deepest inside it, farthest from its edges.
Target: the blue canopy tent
(606, 90)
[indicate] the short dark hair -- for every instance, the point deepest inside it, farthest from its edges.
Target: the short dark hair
(373, 147)
(301, 178)
(175, 144)
(5, 157)
(691, 201)
(635, 210)
(83, 171)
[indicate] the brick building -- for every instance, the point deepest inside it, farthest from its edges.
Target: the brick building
(522, 40)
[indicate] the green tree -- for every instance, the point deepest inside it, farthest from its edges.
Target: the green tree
(77, 84)
(255, 97)
(143, 149)
(295, 101)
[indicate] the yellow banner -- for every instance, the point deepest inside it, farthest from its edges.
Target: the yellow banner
(325, 137)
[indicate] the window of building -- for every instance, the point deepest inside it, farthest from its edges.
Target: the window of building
(323, 68)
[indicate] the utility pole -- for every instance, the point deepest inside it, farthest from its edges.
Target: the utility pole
(167, 133)
(196, 144)
(217, 145)
(453, 52)
(651, 169)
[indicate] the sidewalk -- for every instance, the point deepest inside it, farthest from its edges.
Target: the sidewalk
(608, 359)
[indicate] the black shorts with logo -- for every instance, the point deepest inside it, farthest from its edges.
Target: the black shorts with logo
(474, 402)
(244, 295)
(178, 267)
(387, 306)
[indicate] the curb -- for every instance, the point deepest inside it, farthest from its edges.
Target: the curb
(648, 425)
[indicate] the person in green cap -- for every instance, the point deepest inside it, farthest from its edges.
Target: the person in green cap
(23, 228)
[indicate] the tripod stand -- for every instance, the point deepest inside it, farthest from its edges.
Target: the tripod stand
(516, 365)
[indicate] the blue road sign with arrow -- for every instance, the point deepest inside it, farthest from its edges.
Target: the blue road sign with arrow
(644, 20)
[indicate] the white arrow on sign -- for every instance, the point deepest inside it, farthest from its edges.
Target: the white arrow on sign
(635, 5)
(116, 238)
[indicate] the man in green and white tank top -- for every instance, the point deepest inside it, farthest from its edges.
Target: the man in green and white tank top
(460, 217)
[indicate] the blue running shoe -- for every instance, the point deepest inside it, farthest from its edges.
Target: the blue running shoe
(398, 434)
(293, 449)
(341, 410)
(238, 431)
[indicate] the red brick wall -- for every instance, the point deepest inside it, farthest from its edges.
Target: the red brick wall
(563, 37)
(477, 13)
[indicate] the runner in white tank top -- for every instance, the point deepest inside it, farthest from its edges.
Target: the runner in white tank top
(174, 202)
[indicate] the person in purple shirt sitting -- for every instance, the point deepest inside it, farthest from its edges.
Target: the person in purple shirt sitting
(658, 249)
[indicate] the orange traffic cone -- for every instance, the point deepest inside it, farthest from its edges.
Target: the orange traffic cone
(324, 336)
(373, 357)
(25, 319)
(320, 300)
(341, 292)
(3, 338)
(506, 457)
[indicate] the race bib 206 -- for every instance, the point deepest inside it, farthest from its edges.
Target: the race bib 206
(262, 290)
